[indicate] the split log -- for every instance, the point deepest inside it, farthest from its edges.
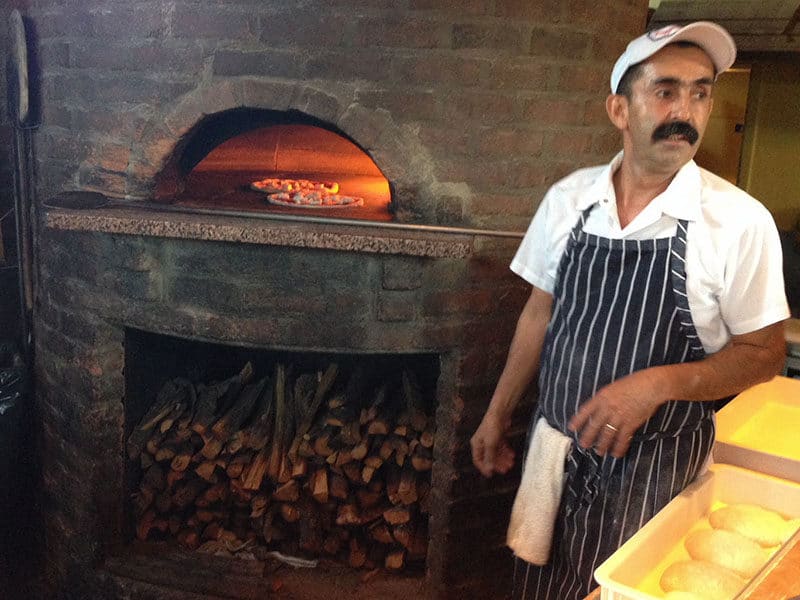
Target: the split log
(397, 515)
(279, 436)
(422, 459)
(259, 433)
(167, 451)
(186, 492)
(240, 411)
(312, 528)
(234, 390)
(426, 438)
(217, 493)
(238, 463)
(154, 442)
(396, 559)
(258, 505)
(381, 533)
(367, 498)
(352, 471)
(358, 553)
(207, 470)
(182, 459)
(318, 485)
(290, 513)
(348, 515)
(337, 486)
(407, 491)
(212, 398)
(288, 492)
(299, 468)
(324, 385)
(254, 474)
(171, 395)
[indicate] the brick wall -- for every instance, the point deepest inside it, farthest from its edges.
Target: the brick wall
(478, 107)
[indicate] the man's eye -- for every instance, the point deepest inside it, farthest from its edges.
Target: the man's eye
(663, 93)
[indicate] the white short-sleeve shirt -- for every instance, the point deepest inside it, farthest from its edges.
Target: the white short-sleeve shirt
(734, 264)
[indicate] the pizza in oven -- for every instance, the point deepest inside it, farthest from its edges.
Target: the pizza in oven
(272, 185)
(313, 199)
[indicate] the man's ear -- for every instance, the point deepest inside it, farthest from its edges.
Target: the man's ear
(617, 109)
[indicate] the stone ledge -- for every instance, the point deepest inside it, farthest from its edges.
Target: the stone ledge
(349, 237)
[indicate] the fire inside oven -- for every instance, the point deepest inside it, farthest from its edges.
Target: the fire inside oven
(245, 160)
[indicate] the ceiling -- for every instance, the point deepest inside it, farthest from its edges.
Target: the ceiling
(756, 25)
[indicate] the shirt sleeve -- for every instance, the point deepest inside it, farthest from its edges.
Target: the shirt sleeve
(536, 260)
(753, 294)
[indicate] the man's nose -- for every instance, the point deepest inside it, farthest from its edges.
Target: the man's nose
(680, 106)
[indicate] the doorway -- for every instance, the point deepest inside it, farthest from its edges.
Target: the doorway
(721, 149)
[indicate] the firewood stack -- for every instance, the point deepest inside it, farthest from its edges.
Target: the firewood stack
(303, 464)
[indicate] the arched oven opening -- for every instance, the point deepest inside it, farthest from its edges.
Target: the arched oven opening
(256, 160)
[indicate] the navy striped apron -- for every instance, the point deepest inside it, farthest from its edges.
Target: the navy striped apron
(619, 306)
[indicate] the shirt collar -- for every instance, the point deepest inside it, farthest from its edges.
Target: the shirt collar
(681, 199)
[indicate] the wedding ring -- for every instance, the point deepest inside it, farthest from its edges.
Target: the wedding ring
(611, 427)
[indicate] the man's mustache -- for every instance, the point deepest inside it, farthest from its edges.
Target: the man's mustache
(665, 131)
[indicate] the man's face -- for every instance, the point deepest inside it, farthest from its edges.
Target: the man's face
(668, 109)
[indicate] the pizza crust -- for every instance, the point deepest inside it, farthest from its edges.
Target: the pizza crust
(272, 185)
(313, 200)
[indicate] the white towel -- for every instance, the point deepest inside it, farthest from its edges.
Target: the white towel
(530, 531)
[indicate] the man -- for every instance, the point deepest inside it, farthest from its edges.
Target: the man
(657, 289)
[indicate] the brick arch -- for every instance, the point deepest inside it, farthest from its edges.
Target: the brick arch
(395, 149)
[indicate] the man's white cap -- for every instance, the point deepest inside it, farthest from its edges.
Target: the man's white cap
(712, 38)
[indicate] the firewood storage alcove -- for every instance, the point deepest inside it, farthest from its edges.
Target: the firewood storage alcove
(244, 451)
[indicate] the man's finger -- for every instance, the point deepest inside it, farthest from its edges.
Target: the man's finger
(579, 419)
(590, 430)
(505, 459)
(480, 457)
(606, 437)
(621, 444)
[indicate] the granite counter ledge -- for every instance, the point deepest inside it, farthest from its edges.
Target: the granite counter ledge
(348, 236)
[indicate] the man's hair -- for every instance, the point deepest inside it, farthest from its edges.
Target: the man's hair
(625, 87)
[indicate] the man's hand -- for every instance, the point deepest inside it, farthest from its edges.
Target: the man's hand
(490, 451)
(609, 419)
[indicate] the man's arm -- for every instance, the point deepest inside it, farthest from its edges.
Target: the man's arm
(625, 404)
(490, 451)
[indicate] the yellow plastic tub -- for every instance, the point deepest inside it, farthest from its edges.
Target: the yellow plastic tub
(633, 572)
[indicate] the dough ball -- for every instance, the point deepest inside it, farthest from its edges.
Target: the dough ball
(766, 527)
(702, 578)
(727, 549)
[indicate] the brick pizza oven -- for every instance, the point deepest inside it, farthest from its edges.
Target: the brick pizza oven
(157, 263)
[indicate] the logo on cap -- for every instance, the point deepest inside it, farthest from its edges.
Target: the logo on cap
(664, 32)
